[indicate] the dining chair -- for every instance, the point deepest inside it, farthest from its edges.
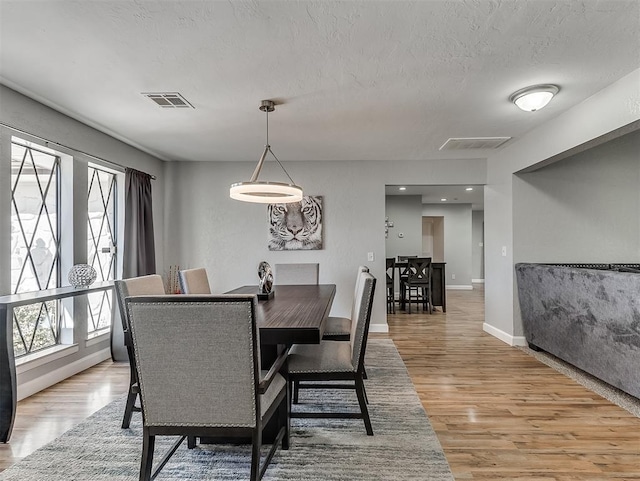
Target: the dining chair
(403, 275)
(198, 366)
(391, 281)
(296, 274)
(311, 364)
(419, 282)
(194, 281)
(134, 286)
(339, 328)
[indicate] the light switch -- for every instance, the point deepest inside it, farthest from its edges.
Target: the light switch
(504, 251)
(370, 257)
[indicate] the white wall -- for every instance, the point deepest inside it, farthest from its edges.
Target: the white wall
(204, 227)
(477, 244)
(614, 107)
(457, 240)
(585, 208)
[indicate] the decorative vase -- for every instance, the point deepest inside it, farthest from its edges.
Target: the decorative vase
(82, 275)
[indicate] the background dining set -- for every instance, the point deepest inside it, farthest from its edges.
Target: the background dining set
(416, 283)
(219, 368)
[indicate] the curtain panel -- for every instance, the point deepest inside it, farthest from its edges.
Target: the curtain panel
(139, 258)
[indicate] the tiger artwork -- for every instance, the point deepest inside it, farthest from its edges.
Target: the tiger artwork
(296, 226)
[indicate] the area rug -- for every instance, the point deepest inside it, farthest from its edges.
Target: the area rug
(404, 446)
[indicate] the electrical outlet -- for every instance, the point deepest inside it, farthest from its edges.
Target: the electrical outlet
(370, 257)
(453, 276)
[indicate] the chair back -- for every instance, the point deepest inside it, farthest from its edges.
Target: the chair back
(197, 359)
(361, 319)
(391, 270)
(419, 270)
(296, 274)
(194, 281)
(135, 286)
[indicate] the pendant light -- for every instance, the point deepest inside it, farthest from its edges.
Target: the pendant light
(263, 192)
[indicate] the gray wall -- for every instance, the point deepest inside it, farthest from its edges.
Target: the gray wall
(585, 208)
(405, 211)
(604, 112)
(28, 115)
(457, 240)
(204, 227)
(477, 244)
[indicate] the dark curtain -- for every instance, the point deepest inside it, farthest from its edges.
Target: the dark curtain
(139, 249)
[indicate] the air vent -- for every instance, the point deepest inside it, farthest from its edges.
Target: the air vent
(169, 100)
(467, 143)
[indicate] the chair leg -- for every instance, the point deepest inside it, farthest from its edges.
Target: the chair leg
(363, 405)
(256, 441)
(284, 418)
(296, 390)
(128, 410)
(148, 444)
(191, 442)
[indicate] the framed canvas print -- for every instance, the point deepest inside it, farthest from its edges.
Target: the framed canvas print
(296, 226)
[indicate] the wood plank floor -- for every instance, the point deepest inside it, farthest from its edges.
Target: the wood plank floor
(499, 414)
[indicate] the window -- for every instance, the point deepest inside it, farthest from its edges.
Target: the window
(101, 247)
(35, 244)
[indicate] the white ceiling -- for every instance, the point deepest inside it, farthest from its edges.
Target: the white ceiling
(358, 80)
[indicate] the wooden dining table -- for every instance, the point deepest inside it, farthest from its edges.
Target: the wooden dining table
(296, 314)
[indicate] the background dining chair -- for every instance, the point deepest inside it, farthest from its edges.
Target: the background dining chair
(194, 281)
(198, 365)
(134, 286)
(337, 360)
(403, 275)
(339, 328)
(419, 282)
(391, 285)
(296, 274)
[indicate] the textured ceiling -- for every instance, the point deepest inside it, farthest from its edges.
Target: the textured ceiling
(358, 80)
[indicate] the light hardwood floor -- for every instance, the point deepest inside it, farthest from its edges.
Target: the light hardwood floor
(498, 413)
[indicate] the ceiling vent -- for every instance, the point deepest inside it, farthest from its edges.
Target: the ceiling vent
(169, 100)
(466, 143)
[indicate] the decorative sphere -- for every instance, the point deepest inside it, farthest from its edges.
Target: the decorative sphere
(82, 275)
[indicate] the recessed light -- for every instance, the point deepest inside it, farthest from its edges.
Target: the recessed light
(402, 188)
(443, 200)
(469, 188)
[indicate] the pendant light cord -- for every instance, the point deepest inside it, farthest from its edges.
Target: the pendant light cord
(274, 155)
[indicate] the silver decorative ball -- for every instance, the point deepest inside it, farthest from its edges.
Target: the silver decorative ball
(82, 275)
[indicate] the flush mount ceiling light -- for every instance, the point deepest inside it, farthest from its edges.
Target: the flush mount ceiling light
(263, 192)
(535, 97)
(402, 188)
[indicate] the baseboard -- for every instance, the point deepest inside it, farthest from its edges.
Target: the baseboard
(379, 327)
(503, 336)
(29, 388)
(477, 281)
(459, 287)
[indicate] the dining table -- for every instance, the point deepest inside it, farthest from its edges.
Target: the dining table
(293, 314)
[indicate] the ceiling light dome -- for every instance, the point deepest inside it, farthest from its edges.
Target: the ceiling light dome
(535, 97)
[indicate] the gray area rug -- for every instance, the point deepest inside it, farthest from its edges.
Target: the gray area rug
(404, 446)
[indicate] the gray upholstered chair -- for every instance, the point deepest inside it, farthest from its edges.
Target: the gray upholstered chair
(337, 360)
(198, 366)
(339, 328)
(194, 281)
(296, 274)
(135, 286)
